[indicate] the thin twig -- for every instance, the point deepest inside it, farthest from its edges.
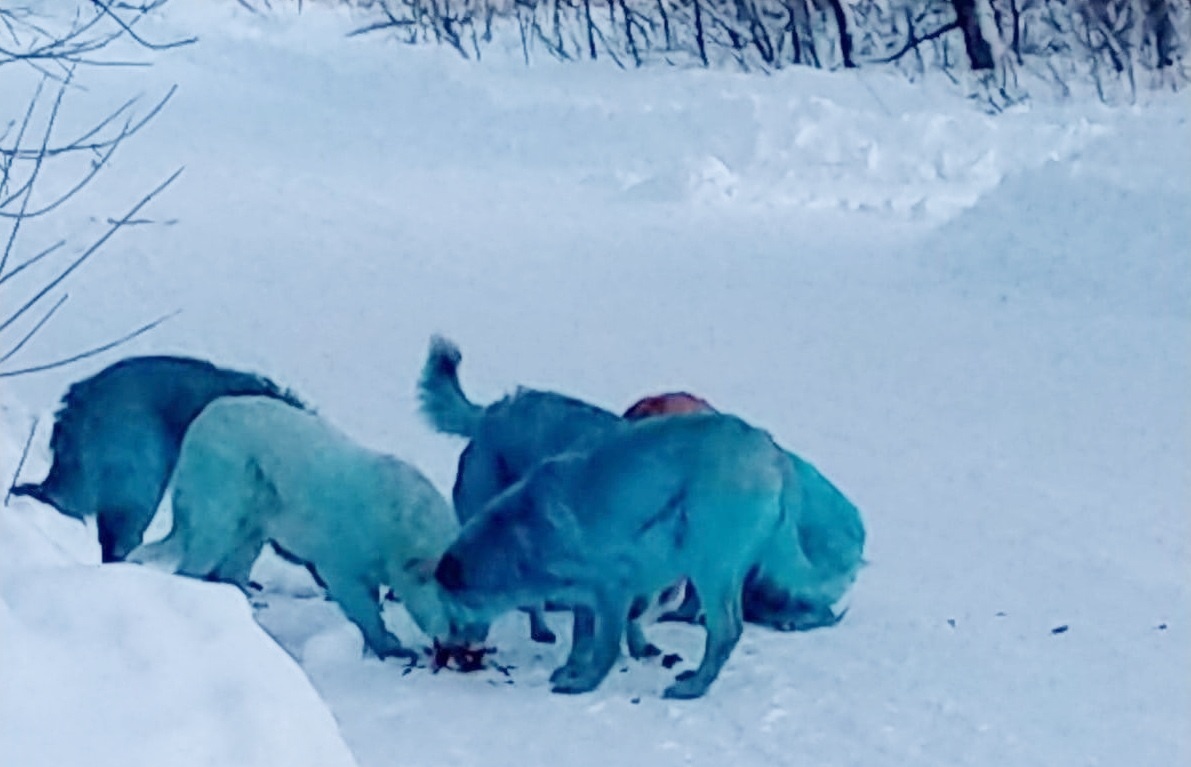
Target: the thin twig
(915, 42)
(11, 352)
(89, 251)
(21, 463)
(128, 29)
(91, 352)
(30, 262)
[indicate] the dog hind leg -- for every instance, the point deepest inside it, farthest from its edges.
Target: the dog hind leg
(539, 630)
(639, 646)
(725, 623)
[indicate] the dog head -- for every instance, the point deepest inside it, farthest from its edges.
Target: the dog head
(516, 550)
(439, 616)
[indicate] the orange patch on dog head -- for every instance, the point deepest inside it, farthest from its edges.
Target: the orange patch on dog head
(671, 403)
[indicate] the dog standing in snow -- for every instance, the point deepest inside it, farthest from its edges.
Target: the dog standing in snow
(254, 470)
(700, 497)
(511, 436)
(826, 540)
(116, 438)
(507, 438)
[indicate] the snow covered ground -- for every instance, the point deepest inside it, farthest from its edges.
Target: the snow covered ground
(977, 326)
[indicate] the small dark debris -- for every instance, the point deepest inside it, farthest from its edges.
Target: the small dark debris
(670, 659)
(635, 701)
(623, 669)
(951, 622)
(1000, 614)
(1059, 629)
(462, 659)
(405, 671)
(1162, 627)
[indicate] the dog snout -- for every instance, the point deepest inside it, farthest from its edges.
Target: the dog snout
(449, 572)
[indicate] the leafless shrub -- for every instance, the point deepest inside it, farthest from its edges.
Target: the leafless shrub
(42, 170)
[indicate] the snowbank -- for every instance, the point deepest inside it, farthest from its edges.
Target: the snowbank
(121, 665)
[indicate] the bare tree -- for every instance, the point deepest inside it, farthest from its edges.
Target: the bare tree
(967, 16)
(36, 156)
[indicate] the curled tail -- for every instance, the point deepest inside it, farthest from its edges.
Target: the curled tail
(443, 402)
(813, 558)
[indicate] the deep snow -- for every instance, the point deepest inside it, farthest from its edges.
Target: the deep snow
(976, 326)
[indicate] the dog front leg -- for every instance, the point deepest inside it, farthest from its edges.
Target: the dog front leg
(610, 615)
(360, 604)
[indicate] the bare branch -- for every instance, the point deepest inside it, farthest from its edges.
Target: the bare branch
(21, 463)
(90, 352)
(119, 224)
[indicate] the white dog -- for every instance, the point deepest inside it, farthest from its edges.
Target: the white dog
(254, 470)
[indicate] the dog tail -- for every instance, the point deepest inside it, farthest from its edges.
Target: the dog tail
(443, 402)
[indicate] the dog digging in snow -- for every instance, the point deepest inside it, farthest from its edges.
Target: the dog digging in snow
(116, 438)
(253, 470)
(702, 497)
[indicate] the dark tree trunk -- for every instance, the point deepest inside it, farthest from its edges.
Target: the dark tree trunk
(845, 34)
(1160, 26)
(590, 28)
(980, 54)
(699, 40)
(1016, 12)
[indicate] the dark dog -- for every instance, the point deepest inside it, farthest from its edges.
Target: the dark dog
(507, 438)
(116, 439)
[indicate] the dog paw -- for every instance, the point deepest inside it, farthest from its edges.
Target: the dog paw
(574, 685)
(571, 680)
(563, 673)
(686, 687)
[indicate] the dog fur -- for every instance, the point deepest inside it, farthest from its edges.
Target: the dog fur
(254, 470)
(506, 438)
(820, 550)
(700, 497)
(116, 438)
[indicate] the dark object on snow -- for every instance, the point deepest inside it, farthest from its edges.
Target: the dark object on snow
(670, 659)
(1162, 627)
(462, 659)
(1059, 629)
(951, 622)
(116, 439)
